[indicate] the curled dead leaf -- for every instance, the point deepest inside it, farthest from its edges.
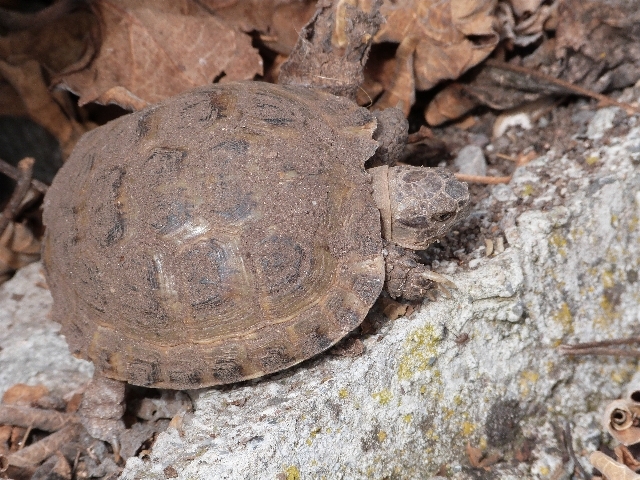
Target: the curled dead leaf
(622, 420)
(454, 35)
(148, 54)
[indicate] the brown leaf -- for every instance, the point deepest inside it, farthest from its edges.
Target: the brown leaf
(21, 394)
(56, 45)
(28, 81)
(151, 54)
(454, 35)
(478, 461)
(626, 457)
(402, 92)
(278, 22)
(475, 455)
(391, 308)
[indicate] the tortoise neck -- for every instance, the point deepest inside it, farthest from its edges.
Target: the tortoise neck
(380, 183)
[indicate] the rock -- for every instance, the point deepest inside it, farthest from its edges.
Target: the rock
(31, 350)
(471, 161)
(601, 122)
(415, 398)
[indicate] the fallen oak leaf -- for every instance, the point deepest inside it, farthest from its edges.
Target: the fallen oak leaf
(147, 55)
(477, 459)
(626, 457)
(454, 35)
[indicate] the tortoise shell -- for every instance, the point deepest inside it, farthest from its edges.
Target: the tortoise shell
(224, 234)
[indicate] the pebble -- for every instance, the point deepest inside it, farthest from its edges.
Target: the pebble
(471, 161)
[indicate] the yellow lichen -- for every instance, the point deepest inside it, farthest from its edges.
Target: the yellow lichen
(592, 160)
(527, 379)
(343, 393)
(407, 418)
(292, 473)
(448, 413)
(608, 280)
(564, 318)
(382, 436)
(420, 352)
(383, 396)
(467, 428)
(457, 400)
(527, 190)
(616, 377)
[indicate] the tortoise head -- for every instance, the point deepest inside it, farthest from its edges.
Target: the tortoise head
(418, 205)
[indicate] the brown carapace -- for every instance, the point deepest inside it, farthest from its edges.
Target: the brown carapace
(228, 233)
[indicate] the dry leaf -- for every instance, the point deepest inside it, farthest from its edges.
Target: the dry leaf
(148, 54)
(18, 247)
(278, 22)
(56, 45)
(391, 308)
(610, 468)
(28, 81)
(622, 420)
(596, 47)
(626, 457)
(476, 458)
(21, 394)
(402, 91)
(453, 35)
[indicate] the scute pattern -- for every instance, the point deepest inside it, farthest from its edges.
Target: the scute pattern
(227, 233)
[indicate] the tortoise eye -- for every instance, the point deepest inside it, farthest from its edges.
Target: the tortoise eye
(442, 217)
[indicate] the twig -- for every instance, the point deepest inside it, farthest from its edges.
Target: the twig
(22, 187)
(614, 352)
(481, 179)
(605, 343)
(568, 443)
(40, 451)
(23, 442)
(603, 99)
(47, 420)
(13, 173)
(602, 348)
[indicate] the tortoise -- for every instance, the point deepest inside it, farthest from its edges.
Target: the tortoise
(233, 231)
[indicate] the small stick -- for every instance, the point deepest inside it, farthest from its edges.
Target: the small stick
(603, 99)
(22, 187)
(40, 451)
(23, 442)
(568, 442)
(506, 157)
(13, 173)
(47, 420)
(604, 343)
(614, 352)
(481, 179)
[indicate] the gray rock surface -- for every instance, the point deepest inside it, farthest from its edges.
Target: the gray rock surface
(418, 394)
(31, 350)
(471, 161)
(601, 122)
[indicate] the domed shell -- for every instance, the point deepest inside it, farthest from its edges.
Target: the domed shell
(221, 235)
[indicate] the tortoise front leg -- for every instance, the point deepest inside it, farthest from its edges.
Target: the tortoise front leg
(406, 277)
(102, 409)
